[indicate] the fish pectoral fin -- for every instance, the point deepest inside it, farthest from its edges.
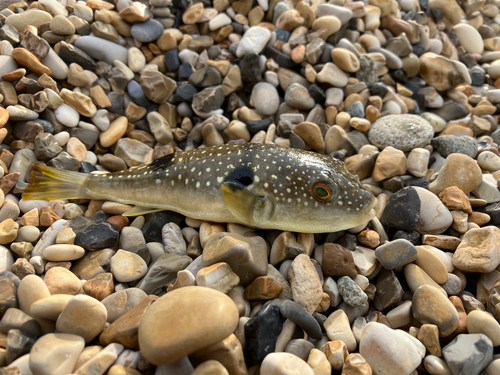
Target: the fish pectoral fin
(246, 206)
(138, 211)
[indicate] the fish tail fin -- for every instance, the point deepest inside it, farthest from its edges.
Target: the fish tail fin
(49, 183)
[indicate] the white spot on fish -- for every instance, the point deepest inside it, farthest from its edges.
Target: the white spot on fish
(256, 178)
(220, 179)
(208, 183)
(158, 181)
(187, 181)
(208, 169)
(198, 184)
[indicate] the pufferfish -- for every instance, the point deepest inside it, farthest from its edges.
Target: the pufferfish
(258, 185)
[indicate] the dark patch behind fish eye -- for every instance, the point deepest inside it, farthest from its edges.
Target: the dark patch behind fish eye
(243, 176)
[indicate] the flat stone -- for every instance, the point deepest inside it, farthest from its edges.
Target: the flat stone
(254, 40)
(171, 340)
(50, 307)
(396, 253)
(127, 266)
(337, 328)
(435, 70)
(265, 98)
(34, 17)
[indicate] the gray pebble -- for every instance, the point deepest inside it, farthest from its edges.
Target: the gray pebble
(352, 294)
(451, 144)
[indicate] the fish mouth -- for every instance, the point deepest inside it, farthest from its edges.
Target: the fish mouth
(371, 208)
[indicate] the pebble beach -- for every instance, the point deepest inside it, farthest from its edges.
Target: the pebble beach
(405, 92)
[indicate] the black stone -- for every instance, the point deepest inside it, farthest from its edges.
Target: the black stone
(418, 49)
(101, 217)
(137, 95)
(282, 35)
(477, 78)
(282, 59)
(436, 14)
(403, 210)
(399, 75)
(261, 333)
(97, 237)
(451, 111)
(389, 292)
(317, 94)
(172, 62)
(256, 126)
(214, 52)
(412, 236)
(117, 102)
(379, 89)
(71, 54)
(86, 167)
(250, 68)
(327, 53)
(493, 210)
(300, 316)
(152, 228)
(419, 99)
(184, 93)
(468, 60)
(185, 71)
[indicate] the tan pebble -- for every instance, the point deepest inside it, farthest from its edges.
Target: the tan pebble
(115, 131)
(218, 276)
(416, 277)
(356, 364)
(455, 199)
(336, 352)
(428, 334)
(50, 307)
(477, 252)
(430, 306)
(29, 60)
(193, 14)
(369, 238)
(441, 241)
(83, 316)
(326, 25)
(64, 252)
(311, 134)
(345, 60)
(435, 70)
(210, 367)
(319, 362)
(8, 231)
(458, 170)
(305, 283)
(263, 288)
(284, 364)
(289, 20)
(482, 322)
(390, 162)
(100, 286)
(213, 317)
(61, 281)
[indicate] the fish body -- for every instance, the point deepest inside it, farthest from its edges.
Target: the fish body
(259, 185)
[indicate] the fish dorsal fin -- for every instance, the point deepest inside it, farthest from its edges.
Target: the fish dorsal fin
(138, 211)
(246, 206)
(164, 161)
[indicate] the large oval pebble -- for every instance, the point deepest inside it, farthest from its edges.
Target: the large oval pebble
(404, 132)
(185, 320)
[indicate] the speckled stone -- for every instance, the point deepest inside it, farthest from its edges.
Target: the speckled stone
(404, 132)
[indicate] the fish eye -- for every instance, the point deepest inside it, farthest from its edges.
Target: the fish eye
(322, 191)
